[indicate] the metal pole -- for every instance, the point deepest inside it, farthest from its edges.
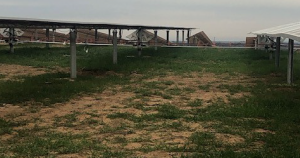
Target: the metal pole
(73, 36)
(290, 62)
(120, 34)
(270, 55)
(109, 34)
(140, 42)
(168, 37)
(188, 37)
(53, 35)
(155, 39)
(277, 55)
(35, 34)
(47, 38)
(256, 43)
(11, 39)
(259, 42)
(177, 39)
(96, 35)
(182, 37)
(115, 42)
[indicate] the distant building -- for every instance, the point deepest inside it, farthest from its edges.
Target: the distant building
(148, 38)
(200, 39)
(250, 41)
(88, 36)
(83, 36)
(40, 35)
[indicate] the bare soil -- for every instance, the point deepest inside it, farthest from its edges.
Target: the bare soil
(12, 71)
(115, 100)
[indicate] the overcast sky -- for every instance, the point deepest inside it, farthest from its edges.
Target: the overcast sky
(222, 19)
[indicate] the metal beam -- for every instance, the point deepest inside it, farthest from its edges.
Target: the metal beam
(168, 32)
(290, 62)
(73, 36)
(277, 55)
(115, 42)
(47, 37)
(155, 39)
(46, 23)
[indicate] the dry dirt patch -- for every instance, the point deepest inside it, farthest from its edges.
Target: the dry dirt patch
(10, 72)
(114, 100)
(156, 154)
(198, 79)
(263, 131)
(132, 146)
(72, 156)
(102, 104)
(230, 139)
(11, 110)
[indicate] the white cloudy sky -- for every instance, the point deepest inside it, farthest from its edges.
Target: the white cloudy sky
(222, 19)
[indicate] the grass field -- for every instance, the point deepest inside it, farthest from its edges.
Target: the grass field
(176, 102)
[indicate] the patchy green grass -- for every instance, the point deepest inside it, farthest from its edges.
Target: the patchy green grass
(168, 111)
(52, 88)
(6, 126)
(195, 103)
(233, 88)
(2, 76)
(172, 117)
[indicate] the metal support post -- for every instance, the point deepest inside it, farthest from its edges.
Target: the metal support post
(259, 39)
(140, 40)
(188, 37)
(177, 39)
(96, 35)
(270, 54)
(35, 34)
(53, 35)
(290, 62)
(73, 36)
(115, 42)
(168, 32)
(11, 39)
(256, 43)
(47, 38)
(182, 37)
(109, 34)
(120, 34)
(155, 39)
(277, 55)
